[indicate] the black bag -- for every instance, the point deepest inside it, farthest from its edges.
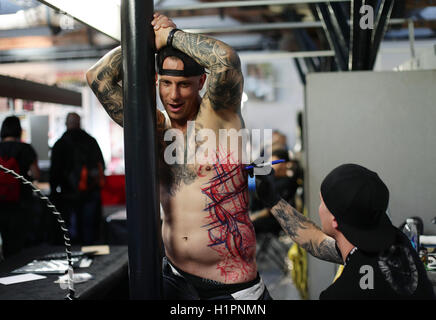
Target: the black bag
(88, 172)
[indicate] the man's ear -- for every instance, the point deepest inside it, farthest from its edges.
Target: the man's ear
(202, 80)
(155, 78)
(335, 224)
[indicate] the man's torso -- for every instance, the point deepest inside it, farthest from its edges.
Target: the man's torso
(206, 228)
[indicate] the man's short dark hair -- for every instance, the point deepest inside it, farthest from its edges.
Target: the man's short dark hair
(72, 121)
(190, 66)
(11, 127)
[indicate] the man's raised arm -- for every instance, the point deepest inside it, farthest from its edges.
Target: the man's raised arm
(104, 76)
(103, 79)
(225, 83)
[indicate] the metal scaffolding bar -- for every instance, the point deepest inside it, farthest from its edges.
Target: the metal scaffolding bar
(234, 4)
(50, 54)
(276, 26)
(381, 26)
(287, 54)
(360, 42)
(142, 186)
(334, 34)
(28, 90)
(300, 71)
(257, 27)
(343, 21)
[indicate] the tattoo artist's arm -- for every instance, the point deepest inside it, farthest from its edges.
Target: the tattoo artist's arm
(304, 232)
(225, 83)
(103, 79)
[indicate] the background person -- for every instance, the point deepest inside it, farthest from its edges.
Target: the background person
(15, 198)
(279, 141)
(76, 179)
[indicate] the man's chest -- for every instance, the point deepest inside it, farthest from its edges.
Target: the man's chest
(210, 192)
(221, 176)
(201, 152)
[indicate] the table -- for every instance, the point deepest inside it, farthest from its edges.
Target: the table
(110, 277)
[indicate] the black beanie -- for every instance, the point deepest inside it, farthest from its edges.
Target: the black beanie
(190, 66)
(359, 199)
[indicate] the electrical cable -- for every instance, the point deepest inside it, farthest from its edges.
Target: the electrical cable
(70, 271)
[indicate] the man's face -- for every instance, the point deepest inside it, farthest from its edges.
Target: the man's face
(179, 95)
(327, 219)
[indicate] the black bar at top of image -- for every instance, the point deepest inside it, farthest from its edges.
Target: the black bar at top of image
(142, 202)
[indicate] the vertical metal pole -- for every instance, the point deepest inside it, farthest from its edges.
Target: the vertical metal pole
(334, 34)
(381, 26)
(412, 39)
(300, 71)
(137, 40)
(360, 41)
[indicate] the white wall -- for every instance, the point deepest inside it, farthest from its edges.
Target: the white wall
(395, 53)
(289, 97)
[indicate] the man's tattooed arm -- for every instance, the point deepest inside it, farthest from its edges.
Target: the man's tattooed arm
(304, 232)
(103, 79)
(225, 83)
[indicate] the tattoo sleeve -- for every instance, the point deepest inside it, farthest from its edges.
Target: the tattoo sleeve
(103, 79)
(307, 234)
(225, 83)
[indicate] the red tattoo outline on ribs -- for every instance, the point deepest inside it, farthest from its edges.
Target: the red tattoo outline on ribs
(231, 232)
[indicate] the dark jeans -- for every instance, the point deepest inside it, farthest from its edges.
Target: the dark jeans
(176, 287)
(82, 216)
(89, 215)
(14, 228)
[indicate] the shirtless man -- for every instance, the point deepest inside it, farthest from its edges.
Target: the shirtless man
(209, 240)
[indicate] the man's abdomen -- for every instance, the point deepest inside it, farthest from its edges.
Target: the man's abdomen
(207, 231)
